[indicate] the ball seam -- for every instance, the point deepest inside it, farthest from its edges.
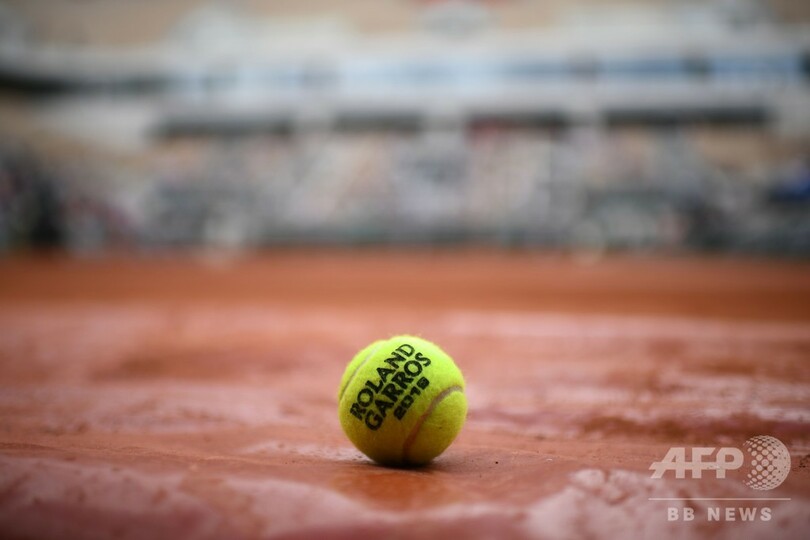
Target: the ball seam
(361, 364)
(406, 446)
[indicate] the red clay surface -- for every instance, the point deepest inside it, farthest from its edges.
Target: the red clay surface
(196, 398)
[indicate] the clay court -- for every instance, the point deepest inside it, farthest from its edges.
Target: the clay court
(195, 397)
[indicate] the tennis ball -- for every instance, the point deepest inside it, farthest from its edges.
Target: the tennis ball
(401, 401)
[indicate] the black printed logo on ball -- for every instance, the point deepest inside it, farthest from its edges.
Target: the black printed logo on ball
(398, 383)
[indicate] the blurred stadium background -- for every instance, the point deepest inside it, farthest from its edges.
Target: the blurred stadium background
(599, 125)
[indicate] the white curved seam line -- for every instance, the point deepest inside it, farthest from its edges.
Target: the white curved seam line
(361, 364)
(416, 428)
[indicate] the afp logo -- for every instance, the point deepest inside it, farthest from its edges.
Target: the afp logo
(766, 460)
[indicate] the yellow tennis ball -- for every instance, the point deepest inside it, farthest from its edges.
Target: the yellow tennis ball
(401, 401)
